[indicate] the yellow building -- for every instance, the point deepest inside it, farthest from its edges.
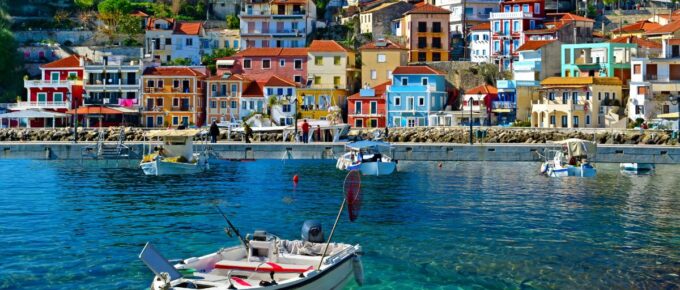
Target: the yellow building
(313, 103)
(379, 59)
(330, 65)
(425, 29)
(173, 96)
(579, 102)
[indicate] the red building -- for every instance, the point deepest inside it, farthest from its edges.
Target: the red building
(260, 64)
(367, 108)
(509, 25)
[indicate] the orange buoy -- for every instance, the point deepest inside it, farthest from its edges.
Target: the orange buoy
(295, 178)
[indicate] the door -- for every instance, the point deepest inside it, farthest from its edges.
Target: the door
(357, 108)
(149, 121)
(185, 86)
(374, 108)
(54, 77)
(410, 103)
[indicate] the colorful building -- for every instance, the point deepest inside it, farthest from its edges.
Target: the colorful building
(579, 102)
(509, 25)
(252, 100)
(597, 59)
(260, 64)
(314, 103)
(224, 97)
(480, 47)
(173, 96)
(476, 106)
(536, 62)
(367, 109)
(60, 87)
(279, 95)
(476, 12)
(379, 59)
(277, 23)
(416, 92)
(425, 31)
(166, 39)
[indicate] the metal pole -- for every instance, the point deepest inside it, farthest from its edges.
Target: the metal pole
(325, 249)
(470, 120)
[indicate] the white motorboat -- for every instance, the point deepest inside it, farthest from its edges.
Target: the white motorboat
(637, 168)
(369, 157)
(572, 160)
(262, 262)
(175, 155)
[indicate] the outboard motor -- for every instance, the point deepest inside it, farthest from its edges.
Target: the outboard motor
(312, 232)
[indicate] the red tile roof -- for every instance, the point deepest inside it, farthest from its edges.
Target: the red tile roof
(138, 13)
(379, 91)
(326, 46)
(533, 44)
(669, 28)
(232, 77)
(388, 45)
(151, 20)
(302, 51)
(277, 81)
(173, 71)
(424, 8)
(574, 17)
(71, 61)
(641, 42)
(482, 26)
(416, 70)
(272, 51)
(640, 26)
(482, 90)
(254, 89)
(674, 41)
(188, 28)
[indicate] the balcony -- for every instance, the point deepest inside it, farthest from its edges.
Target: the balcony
(48, 84)
(666, 85)
(529, 65)
(119, 84)
(503, 105)
(292, 14)
(39, 105)
(288, 32)
(545, 105)
(412, 88)
(510, 15)
(368, 113)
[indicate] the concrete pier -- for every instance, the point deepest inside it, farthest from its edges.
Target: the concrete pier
(401, 151)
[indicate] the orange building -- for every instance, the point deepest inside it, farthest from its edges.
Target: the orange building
(173, 96)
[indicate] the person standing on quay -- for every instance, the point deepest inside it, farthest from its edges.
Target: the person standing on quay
(305, 131)
(247, 131)
(317, 132)
(214, 132)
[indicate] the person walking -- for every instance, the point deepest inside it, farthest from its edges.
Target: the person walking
(317, 132)
(214, 132)
(248, 132)
(305, 131)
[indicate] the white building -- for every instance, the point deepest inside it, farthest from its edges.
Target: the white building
(476, 12)
(186, 42)
(283, 112)
(279, 23)
(479, 43)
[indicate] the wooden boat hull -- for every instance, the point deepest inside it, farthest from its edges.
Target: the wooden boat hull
(158, 167)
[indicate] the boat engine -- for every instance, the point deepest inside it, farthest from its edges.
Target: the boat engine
(312, 232)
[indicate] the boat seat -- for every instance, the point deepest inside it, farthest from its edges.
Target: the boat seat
(216, 280)
(266, 267)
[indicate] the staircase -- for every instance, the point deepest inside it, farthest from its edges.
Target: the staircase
(108, 151)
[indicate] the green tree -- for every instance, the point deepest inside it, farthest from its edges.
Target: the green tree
(10, 60)
(179, 62)
(210, 59)
(490, 73)
(233, 22)
(84, 4)
(130, 26)
(110, 13)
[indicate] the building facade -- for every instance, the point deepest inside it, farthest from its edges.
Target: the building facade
(425, 33)
(279, 95)
(480, 46)
(224, 97)
(379, 59)
(367, 108)
(260, 64)
(60, 87)
(173, 96)
(476, 12)
(278, 23)
(416, 92)
(509, 25)
(166, 39)
(378, 20)
(597, 59)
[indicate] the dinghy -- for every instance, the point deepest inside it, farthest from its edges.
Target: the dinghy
(175, 155)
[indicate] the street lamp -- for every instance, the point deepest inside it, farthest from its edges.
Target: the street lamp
(675, 100)
(470, 101)
(74, 105)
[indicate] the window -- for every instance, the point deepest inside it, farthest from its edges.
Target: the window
(422, 26)
(285, 108)
(266, 63)
(359, 123)
(515, 8)
(515, 26)
(422, 56)
(159, 84)
(565, 97)
(574, 97)
(641, 90)
(58, 97)
(496, 46)
(282, 63)
(389, 74)
(423, 81)
(246, 63)
(175, 120)
(223, 104)
(525, 8)
(436, 27)
(564, 121)
(168, 41)
(244, 105)
(336, 60)
(381, 57)
(318, 60)
(336, 81)
(185, 120)
(396, 122)
(587, 96)
(226, 44)
(374, 74)
(496, 26)
(298, 64)
(575, 122)
(516, 43)
(297, 78)
(159, 102)
(149, 84)
(235, 43)
(159, 120)
(421, 101)
(552, 120)
(599, 96)
(373, 123)
(397, 101)
(532, 24)
(175, 102)
(506, 8)
(317, 80)
(587, 119)
(72, 74)
(189, 42)
(374, 107)
(422, 42)
(468, 10)
(551, 96)
(639, 110)
(436, 42)
(234, 104)
(637, 68)
(404, 81)
(537, 8)
(213, 104)
(357, 107)
(666, 109)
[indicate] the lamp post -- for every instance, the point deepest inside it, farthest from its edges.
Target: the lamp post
(74, 105)
(470, 101)
(675, 100)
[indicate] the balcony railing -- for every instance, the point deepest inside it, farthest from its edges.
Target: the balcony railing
(48, 83)
(503, 105)
(39, 105)
(367, 112)
(510, 15)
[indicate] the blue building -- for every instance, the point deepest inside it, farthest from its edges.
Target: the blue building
(416, 93)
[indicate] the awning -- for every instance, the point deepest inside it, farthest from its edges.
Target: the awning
(502, 111)
(671, 116)
(102, 110)
(33, 114)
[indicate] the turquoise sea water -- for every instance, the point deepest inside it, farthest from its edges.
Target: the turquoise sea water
(463, 226)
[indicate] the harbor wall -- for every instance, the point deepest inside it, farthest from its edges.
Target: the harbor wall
(402, 151)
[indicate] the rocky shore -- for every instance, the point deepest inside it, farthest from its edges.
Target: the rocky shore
(417, 135)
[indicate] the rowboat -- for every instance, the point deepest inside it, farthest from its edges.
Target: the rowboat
(175, 155)
(263, 261)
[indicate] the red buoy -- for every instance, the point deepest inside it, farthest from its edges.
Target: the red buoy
(295, 178)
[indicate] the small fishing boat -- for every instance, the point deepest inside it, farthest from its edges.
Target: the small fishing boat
(637, 168)
(369, 157)
(572, 160)
(174, 155)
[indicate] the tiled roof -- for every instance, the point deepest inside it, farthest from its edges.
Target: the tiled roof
(641, 42)
(541, 31)
(254, 89)
(533, 44)
(71, 61)
(379, 90)
(326, 46)
(188, 28)
(151, 20)
(272, 51)
(277, 81)
(560, 81)
(232, 77)
(388, 45)
(302, 51)
(669, 28)
(574, 17)
(424, 8)
(416, 70)
(642, 25)
(379, 7)
(482, 90)
(482, 26)
(138, 13)
(172, 71)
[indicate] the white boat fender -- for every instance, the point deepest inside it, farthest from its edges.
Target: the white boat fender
(358, 270)
(544, 168)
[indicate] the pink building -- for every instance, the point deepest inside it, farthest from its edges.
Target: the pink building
(260, 64)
